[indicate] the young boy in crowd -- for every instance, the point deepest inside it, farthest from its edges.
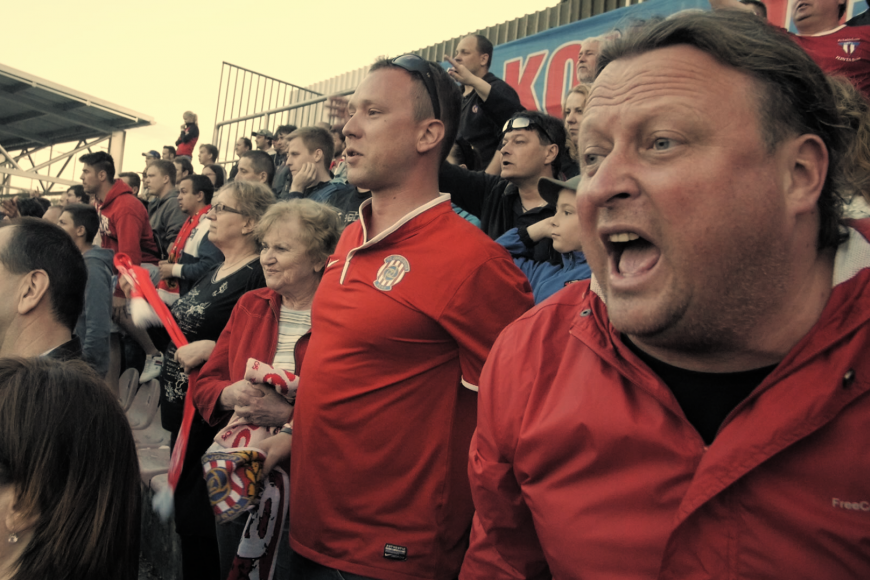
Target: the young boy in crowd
(546, 277)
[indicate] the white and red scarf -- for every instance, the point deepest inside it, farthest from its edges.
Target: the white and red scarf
(168, 289)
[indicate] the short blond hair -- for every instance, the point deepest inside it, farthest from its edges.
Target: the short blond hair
(252, 198)
(320, 225)
(580, 89)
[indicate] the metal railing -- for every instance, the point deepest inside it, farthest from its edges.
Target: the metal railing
(243, 95)
(302, 110)
(565, 12)
(302, 114)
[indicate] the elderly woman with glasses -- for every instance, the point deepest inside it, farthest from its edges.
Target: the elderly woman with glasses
(202, 314)
(271, 325)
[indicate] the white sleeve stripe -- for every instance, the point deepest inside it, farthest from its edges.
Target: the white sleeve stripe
(468, 385)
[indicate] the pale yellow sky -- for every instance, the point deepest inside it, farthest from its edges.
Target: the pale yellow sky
(161, 58)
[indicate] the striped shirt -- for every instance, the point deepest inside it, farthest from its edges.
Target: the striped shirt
(291, 327)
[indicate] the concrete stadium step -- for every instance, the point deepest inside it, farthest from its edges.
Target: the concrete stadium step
(154, 435)
(153, 461)
(145, 404)
(128, 384)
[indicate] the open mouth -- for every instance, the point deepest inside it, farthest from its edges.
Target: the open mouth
(632, 255)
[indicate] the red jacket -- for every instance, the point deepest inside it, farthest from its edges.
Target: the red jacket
(252, 331)
(584, 465)
(124, 226)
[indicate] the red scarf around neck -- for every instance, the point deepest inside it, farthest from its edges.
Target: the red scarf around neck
(168, 289)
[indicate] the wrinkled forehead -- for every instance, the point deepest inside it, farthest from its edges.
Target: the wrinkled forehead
(673, 76)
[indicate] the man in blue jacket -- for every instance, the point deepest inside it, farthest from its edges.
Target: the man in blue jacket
(94, 325)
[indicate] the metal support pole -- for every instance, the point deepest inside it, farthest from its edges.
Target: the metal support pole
(10, 159)
(116, 149)
(71, 153)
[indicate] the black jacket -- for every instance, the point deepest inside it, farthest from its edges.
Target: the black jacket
(495, 201)
(481, 122)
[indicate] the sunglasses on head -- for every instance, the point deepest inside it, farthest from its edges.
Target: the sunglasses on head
(415, 64)
(526, 123)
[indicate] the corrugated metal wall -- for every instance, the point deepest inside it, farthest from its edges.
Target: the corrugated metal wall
(564, 12)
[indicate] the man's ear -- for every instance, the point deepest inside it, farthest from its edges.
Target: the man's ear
(807, 161)
(431, 136)
(34, 285)
(552, 153)
(485, 60)
(318, 156)
(81, 231)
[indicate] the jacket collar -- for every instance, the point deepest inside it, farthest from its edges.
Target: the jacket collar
(812, 383)
(510, 189)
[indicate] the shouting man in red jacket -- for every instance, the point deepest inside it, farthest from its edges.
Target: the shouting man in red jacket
(696, 410)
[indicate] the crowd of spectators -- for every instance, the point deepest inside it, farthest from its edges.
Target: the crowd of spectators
(686, 399)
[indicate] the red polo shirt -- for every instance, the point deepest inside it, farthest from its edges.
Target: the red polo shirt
(401, 327)
(844, 50)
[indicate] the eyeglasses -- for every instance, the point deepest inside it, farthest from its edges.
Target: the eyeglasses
(220, 208)
(414, 64)
(525, 123)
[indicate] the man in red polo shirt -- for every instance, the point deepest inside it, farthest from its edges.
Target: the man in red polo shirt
(407, 310)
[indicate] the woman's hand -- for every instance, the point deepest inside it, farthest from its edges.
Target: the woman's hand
(269, 409)
(238, 393)
(194, 354)
(277, 448)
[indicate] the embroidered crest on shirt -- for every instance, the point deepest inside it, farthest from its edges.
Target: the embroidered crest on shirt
(849, 46)
(391, 273)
